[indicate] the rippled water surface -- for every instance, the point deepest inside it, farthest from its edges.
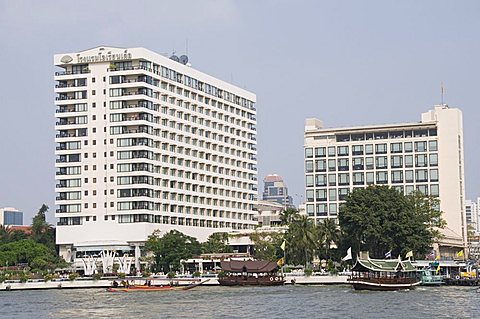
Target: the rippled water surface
(244, 302)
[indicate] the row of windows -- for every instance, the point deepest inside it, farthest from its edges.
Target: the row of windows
(379, 177)
(157, 219)
(378, 162)
(331, 209)
(368, 149)
(340, 194)
(386, 135)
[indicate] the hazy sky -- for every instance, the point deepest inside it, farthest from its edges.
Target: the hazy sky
(345, 62)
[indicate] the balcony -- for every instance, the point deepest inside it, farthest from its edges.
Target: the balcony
(85, 71)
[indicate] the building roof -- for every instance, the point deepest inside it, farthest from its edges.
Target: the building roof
(385, 265)
(250, 266)
(273, 178)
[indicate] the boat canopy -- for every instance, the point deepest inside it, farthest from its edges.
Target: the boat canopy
(384, 265)
(249, 266)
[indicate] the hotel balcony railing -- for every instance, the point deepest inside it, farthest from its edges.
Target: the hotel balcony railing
(68, 110)
(72, 72)
(72, 85)
(63, 98)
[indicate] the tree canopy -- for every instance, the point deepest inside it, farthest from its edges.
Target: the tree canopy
(216, 243)
(170, 249)
(267, 245)
(380, 219)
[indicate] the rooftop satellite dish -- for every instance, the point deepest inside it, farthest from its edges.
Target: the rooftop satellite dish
(183, 59)
(175, 58)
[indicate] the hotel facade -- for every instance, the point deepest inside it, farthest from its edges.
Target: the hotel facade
(426, 156)
(146, 142)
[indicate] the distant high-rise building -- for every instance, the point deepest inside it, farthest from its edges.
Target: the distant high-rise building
(275, 190)
(11, 216)
(471, 214)
(426, 156)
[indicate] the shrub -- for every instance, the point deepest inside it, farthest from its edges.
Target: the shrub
(308, 272)
(97, 276)
(196, 274)
(73, 276)
(171, 275)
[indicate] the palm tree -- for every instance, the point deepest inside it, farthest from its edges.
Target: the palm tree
(301, 240)
(288, 215)
(5, 234)
(328, 233)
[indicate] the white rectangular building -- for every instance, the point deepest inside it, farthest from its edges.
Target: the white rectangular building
(146, 142)
(425, 156)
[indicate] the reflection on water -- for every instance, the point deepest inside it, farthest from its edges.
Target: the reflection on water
(244, 302)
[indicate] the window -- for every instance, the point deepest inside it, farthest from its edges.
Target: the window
(320, 180)
(369, 162)
(309, 152)
(396, 148)
(321, 209)
(382, 177)
(423, 189)
(332, 209)
(310, 210)
(342, 150)
(421, 175)
(331, 165)
(309, 195)
(342, 193)
(407, 147)
(357, 150)
(321, 195)
(397, 177)
(369, 149)
(369, 178)
(380, 148)
(420, 146)
(434, 175)
(433, 159)
(343, 164)
(332, 179)
(308, 166)
(309, 181)
(408, 176)
(408, 160)
(358, 178)
(331, 151)
(434, 190)
(421, 160)
(343, 179)
(332, 194)
(396, 161)
(381, 162)
(432, 146)
(357, 163)
(320, 165)
(320, 152)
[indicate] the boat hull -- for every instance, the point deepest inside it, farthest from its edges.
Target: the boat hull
(359, 284)
(251, 281)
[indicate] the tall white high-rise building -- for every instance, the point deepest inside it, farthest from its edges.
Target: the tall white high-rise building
(146, 142)
(425, 156)
(471, 214)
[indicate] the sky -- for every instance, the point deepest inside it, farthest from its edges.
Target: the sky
(344, 62)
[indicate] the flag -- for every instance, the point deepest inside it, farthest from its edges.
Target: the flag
(409, 254)
(437, 257)
(388, 254)
(283, 246)
(460, 253)
(349, 255)
(280, 262)
(438, 268)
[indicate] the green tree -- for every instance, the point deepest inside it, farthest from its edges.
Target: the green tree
(302, 241)
(27, 251)
(170, 249)
(328, 234)
(379, 219)
(267, 245)
(43, 232)
(216, 243)
(288, 215)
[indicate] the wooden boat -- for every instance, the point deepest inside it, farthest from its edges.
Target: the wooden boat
(250, 273)
(383, 274)
(135, 288)
(429, 279)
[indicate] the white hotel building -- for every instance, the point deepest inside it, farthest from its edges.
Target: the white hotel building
(143, 143)
(425, 156)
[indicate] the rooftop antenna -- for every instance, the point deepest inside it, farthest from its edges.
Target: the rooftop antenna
(442, 91)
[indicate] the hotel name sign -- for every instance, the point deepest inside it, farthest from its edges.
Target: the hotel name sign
(100, 57)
